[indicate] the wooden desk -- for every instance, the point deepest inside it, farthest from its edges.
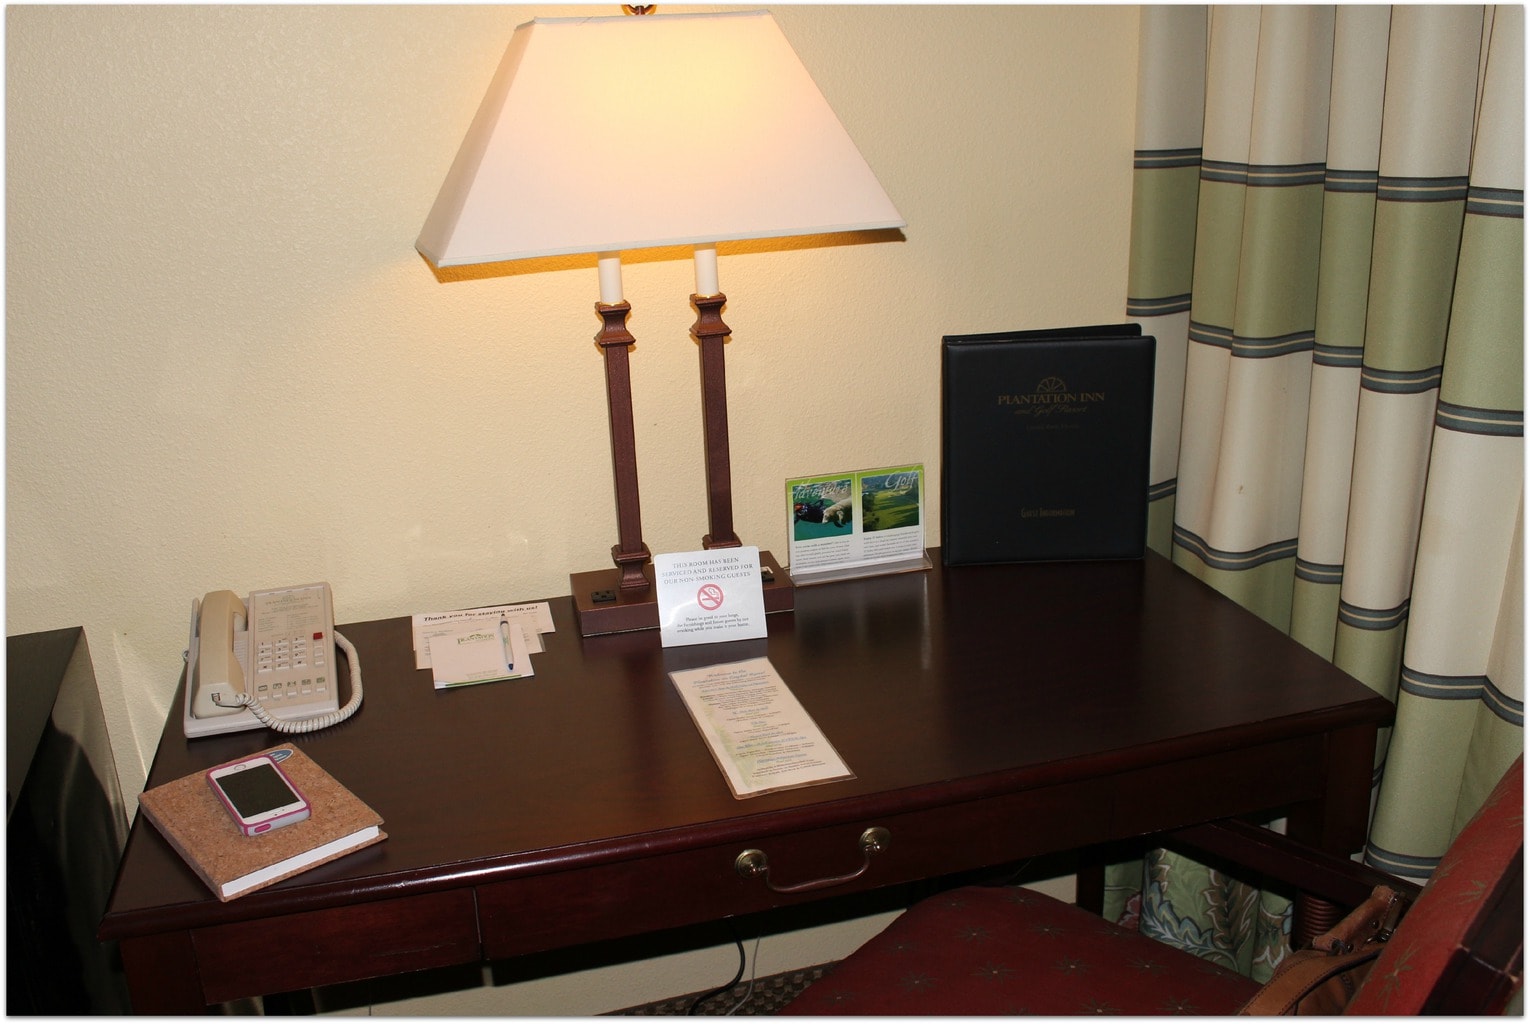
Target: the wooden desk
(990, 713)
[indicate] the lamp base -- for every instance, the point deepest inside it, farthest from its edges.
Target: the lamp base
(602, 607)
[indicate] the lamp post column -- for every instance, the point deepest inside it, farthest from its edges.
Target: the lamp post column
(711, 333)
(629, 553)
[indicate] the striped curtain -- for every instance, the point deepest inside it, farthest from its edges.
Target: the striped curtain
(1328, 243)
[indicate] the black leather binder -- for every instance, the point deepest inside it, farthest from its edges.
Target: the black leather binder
(1044, 444)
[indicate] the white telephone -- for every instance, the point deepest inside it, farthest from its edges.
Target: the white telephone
(269, 662)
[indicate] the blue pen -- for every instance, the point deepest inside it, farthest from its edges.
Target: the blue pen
(504, 641)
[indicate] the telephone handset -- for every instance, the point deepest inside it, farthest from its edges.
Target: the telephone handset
(266, 662)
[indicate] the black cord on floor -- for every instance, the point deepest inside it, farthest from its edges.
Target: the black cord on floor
(739, 942)
(1013, 878)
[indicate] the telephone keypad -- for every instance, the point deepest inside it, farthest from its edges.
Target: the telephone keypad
(292, 640)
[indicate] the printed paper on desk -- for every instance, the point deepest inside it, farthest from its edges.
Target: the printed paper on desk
(531, 619)
(758, 732)
(709, 597)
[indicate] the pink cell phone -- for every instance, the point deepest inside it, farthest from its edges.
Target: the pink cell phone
(258, 794)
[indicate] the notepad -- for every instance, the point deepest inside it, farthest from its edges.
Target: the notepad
(478, 652)
(188, 814)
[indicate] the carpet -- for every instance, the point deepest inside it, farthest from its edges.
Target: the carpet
(766, 997)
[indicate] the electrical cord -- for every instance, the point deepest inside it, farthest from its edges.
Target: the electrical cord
(754, 969)
(1013, 878)
(691, 1010)
(295, 725)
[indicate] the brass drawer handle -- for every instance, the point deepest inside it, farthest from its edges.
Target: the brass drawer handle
(754, 864)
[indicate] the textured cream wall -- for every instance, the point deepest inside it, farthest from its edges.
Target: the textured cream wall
(227, 366)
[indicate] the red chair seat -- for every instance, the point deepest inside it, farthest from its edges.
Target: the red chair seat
(974, 951)
(1013, 951)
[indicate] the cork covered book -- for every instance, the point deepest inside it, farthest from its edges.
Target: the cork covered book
(192, 819)
(1044, 444)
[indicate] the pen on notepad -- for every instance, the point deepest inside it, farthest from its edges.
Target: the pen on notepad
(504, 641)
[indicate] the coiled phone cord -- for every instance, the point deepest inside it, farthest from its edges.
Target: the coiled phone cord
(244, 700)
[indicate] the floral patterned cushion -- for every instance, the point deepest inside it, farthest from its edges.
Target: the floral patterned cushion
(1014, 951)
(1417, 953)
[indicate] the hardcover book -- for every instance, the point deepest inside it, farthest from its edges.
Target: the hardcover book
(188, 814)
(1044, 444)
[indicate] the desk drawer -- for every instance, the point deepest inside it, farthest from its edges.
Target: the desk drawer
(669, 890)
(323, 947)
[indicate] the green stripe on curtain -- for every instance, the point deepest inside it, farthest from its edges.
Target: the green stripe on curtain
(1349, 224)
(1410, 297)
(1219, 238)
(1428, 741)
(1163, 233)
(1314, 608)
(1490, 308)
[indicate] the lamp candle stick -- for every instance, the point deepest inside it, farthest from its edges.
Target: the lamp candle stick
(710, 333)
(629, 553)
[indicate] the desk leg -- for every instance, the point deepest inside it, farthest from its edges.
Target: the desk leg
(162, 974)
(1337, 823)
(1089, 887)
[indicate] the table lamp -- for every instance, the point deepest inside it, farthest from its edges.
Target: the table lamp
(600, 135)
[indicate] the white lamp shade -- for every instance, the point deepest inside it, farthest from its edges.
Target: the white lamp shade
(607, 134)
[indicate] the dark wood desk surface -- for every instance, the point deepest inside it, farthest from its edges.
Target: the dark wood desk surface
(989, 712)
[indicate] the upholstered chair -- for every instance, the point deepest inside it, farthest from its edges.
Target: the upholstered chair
(1007, 950)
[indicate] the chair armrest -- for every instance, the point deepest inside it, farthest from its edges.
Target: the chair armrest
(1277, 857)
(1485, 970)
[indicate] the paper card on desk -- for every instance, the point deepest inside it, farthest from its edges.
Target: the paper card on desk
(533, 620)
(861, 523)
(709, 597)
(478, 653)
(757, 731)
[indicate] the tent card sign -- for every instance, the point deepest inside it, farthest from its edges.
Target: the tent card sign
(863, 523)
(709, 597)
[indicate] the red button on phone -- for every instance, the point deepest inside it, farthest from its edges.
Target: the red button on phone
(262, 828)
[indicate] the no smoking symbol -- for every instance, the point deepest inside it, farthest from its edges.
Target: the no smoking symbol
(710, 596)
